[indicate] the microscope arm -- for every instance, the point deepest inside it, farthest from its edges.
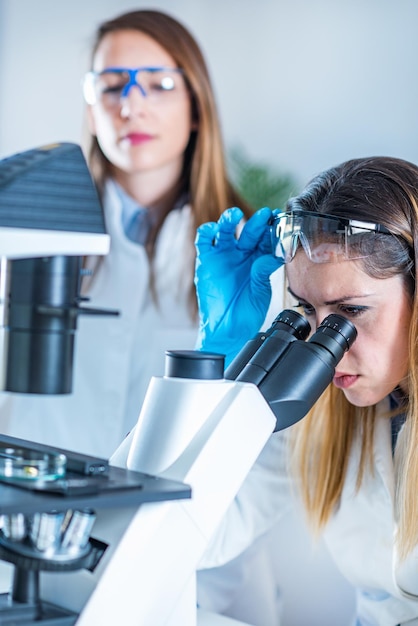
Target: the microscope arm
(212, 447)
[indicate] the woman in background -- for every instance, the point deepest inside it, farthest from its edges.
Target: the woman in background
(156, 154)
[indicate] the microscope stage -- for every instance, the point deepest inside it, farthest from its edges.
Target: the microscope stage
(88, 482)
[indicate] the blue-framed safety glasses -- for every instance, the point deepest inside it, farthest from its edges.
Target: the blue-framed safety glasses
(324, 238)
(114, 83)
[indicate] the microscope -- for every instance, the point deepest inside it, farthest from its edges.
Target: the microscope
(50, 219)
(118, 541)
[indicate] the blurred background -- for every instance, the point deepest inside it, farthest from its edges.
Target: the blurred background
(301, 85)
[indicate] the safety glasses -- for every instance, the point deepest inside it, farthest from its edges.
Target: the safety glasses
(114, 83)
(324, 238)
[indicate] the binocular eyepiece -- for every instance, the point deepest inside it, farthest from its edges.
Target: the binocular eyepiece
(290, 372)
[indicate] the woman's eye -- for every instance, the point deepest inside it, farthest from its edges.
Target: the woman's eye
(155, 87)
(352, 311)
(306, 308)
(116, 89)
(165, 84)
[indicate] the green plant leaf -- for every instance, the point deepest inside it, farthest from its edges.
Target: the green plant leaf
(259, 183)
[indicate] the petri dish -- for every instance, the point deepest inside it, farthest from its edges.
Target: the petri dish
(20, 463)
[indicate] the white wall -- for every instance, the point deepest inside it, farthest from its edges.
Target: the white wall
(303, 84)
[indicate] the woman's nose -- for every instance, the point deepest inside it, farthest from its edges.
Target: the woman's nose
(133, 103)
(321, 315)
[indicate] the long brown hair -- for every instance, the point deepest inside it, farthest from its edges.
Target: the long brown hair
(204, 176)
(385, 191)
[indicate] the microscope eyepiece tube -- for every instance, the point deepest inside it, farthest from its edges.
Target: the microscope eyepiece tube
(260, 352)
(298, 379)
(336, 333)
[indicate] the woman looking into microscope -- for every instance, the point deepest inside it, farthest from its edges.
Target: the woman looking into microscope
(349, 246)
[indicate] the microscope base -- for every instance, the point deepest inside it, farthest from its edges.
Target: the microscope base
(21, 614)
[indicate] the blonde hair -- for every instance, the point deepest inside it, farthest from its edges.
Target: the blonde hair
(385, 191)
(321, 444)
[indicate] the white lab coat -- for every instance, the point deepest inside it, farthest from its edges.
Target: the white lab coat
(116, 356)
(359, 536)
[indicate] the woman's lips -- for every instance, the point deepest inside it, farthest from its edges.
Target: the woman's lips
(137, 138)
(343, 381)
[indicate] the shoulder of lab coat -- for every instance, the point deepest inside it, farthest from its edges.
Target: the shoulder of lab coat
(360, 536)
(405, 570)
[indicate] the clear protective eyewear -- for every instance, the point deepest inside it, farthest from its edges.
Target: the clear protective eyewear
(113, 84)
(324, 238)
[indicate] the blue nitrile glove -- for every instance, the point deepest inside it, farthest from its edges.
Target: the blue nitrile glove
(232, 280)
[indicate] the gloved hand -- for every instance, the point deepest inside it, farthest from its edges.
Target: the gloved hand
(232, 280)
